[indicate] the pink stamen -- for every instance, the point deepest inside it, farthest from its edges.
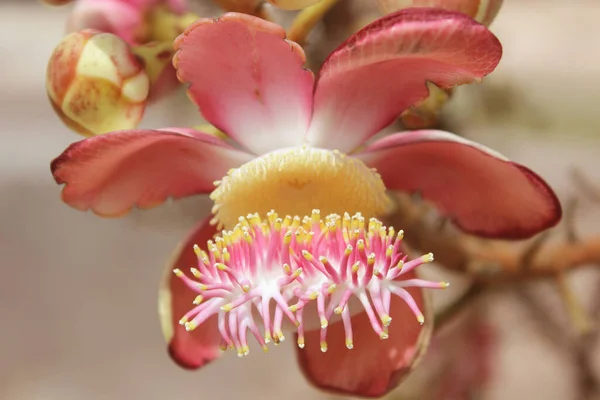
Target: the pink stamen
(295, 261)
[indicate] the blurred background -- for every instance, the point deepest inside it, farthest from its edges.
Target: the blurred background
(78, 293)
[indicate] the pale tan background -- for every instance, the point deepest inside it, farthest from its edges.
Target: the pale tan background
(78, 293)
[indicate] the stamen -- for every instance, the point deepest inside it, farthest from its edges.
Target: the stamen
(280, 265)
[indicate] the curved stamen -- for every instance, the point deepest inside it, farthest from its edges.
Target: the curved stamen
(271, 269)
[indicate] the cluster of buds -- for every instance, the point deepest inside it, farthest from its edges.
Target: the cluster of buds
(117, 59)
(273, 270)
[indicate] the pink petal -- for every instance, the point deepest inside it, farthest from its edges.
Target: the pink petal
(188, 349)
(480, 190)
(121, 18)
(374, 366)
(111, 173)
(380, 71)
(247, 80)
(483, 11)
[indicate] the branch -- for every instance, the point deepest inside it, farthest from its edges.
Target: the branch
(306, 20)
(490, 261)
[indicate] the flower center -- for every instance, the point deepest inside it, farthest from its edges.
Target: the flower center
(293, 180)
(289, 263)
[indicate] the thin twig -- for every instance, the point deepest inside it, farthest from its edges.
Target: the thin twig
(490, 262)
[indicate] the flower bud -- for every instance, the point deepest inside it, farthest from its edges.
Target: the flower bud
(96, 84)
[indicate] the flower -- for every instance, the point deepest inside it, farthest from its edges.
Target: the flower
(280, 149)
(306, 272)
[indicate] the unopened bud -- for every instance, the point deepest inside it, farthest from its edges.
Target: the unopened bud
(96, 84)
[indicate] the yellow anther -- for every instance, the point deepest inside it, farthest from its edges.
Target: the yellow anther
(202, 286)
(324, 347)
(313, 295)
(268, 337)
(287, 268)
(221, 267)
(190, 326)
(391, 232)
(196, 273)
(272, 216)
(386, 320)
(400, 265)
(287, 238)
(384, 335)
(331, 288)
(349, 344)
(301, 342)
(421, 319)
(444, 284)
(338, 310)
(427, 258)
(246, 288)
(265, 348)
(348, 250)
(389, 251)
(400, 234)
(371, 259)
(355, 267)
(198, 299)
(296, 222)
(287, 221)
(243, 222)
(293, 308)
(178, 272)
(183, 321)
(197, 250)
(297, 273)
(245, 350)
(227, 307)
(247, 237)
(307, 255)
(316, 216)
(324, 323)
(226, 255)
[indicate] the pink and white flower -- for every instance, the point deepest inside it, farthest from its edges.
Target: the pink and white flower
(285, 150)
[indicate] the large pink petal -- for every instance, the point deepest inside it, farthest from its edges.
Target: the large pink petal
(480, 190)
(374, 366)
(483, 11)
(111, 173)
(188, 349)
(380, 71)
(247, 80)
